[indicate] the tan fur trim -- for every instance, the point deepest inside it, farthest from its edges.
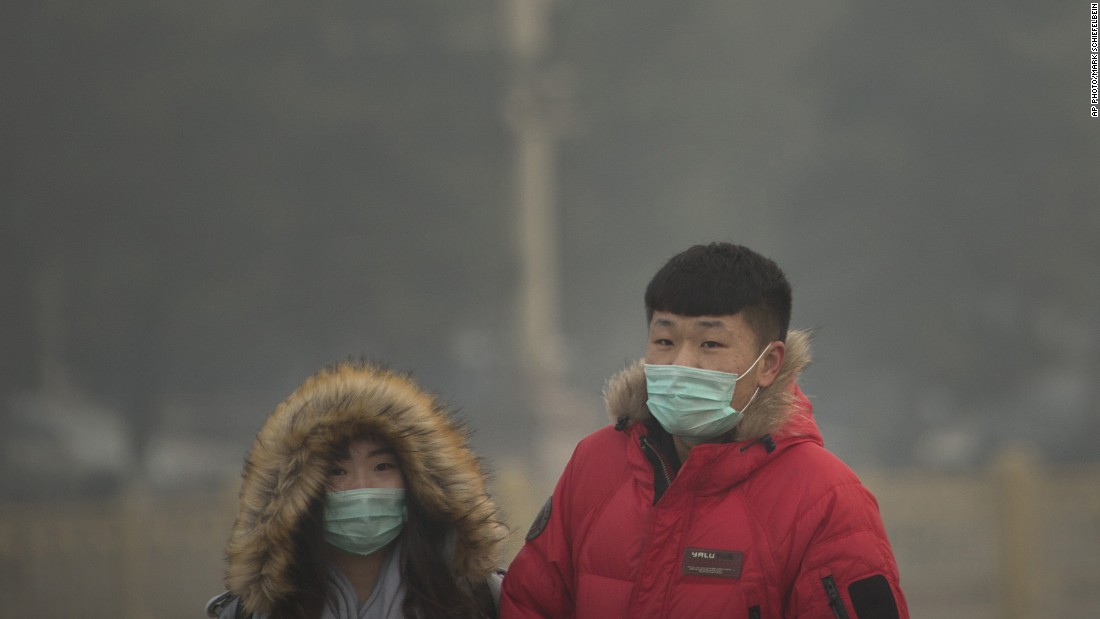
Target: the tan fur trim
(287, 469)
(625, 393)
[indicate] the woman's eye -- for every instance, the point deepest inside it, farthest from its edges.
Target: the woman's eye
(384, 466)
(711, 344)
(337, 471)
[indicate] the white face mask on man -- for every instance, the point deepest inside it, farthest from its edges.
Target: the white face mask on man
(693, 404)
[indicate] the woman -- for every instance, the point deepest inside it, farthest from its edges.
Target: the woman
(360, 499)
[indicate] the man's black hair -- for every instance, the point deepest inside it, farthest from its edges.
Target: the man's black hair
(723, 279)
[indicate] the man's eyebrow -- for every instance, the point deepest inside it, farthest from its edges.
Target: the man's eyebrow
(706, 323)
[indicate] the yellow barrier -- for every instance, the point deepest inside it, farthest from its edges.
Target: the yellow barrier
(1017, 540)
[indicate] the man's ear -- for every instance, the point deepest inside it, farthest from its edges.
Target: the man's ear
(771, 364)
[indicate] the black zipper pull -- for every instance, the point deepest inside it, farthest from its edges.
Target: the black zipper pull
(754, 612)
(835, 602)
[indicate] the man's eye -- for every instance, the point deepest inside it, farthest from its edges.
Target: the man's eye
(711, 344)
(663, 342)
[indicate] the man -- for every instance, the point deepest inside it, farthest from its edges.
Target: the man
(711, 495)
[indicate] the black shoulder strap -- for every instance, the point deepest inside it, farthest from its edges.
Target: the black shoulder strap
(488, 593)
(219, 602)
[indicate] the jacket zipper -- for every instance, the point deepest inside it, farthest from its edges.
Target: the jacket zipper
(661, 464)
(835, 602)
(754, 612)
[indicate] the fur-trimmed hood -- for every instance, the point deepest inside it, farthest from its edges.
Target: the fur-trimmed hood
(772, 412)
(286, 473)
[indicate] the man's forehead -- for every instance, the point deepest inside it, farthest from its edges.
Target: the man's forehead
(668, 319)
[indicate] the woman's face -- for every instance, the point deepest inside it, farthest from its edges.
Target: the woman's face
(370, 464)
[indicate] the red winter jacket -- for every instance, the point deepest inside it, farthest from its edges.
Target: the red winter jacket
(771, 525)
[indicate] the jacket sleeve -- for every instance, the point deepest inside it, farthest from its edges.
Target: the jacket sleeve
(539, 582)
(848, 569)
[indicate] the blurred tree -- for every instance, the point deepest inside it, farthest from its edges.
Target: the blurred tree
(237, 192)
(921, 171)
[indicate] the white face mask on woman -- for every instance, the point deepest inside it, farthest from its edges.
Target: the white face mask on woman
(364, 520)
(693, 404)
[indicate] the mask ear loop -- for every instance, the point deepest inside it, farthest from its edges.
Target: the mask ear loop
(746, 406)
(749, 368)
(761, 356)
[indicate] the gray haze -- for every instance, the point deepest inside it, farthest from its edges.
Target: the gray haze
(203, 202)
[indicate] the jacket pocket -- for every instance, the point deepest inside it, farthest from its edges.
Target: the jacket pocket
(836, 603)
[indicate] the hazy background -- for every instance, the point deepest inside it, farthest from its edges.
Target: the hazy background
(203, 202)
